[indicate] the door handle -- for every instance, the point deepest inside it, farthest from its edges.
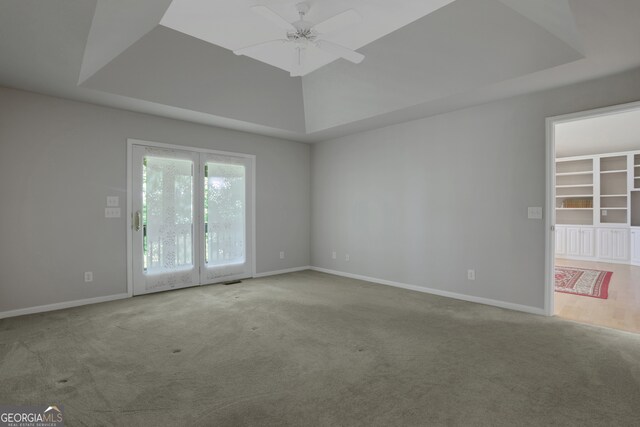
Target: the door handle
(137, 220)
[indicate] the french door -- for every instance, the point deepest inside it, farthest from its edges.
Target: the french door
(191, 218)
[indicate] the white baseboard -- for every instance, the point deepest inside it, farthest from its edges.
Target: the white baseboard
(60, 305)
(285, 271)
(469, 298)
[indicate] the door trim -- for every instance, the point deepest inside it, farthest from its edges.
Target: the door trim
(549, 210)
(130, 143)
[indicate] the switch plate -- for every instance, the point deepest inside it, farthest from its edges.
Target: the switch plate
(112, 212)
(347, 257)
(113, 201)
(88, 276)
(333, 255)
(604, 212)
(281, 255)
(471, 274)
(535, 213)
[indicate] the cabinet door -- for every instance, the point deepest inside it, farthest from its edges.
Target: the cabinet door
(573, 241)
(561, 235)
(620, 244)
(635, 247)
(605, 243)
(586, 242)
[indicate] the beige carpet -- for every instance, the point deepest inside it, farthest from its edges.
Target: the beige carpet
(313, 349)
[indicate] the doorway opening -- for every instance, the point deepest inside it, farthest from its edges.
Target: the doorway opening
(593, 212)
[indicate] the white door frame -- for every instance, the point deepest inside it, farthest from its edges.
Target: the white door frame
(130, 143)
(550, 212)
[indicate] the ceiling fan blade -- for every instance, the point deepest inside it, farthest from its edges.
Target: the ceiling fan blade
(338, 22)
(273, 17)
(246, 49)
(297, 63)
(341, 51)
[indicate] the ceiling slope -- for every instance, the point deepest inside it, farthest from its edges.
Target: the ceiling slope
(171, 68)
(463, 46)
(114, 28)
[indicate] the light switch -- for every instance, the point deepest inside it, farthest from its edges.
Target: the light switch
(112, 212)
(113, 201)
(535, 213)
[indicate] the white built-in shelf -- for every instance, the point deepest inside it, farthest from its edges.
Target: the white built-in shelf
(613, 195)
(615, 171)
(574, 185)
(574, 209)
(613, 209)
(571, 196)
(574, 173)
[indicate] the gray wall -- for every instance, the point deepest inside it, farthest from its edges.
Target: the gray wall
(60, 159)
(421, 202)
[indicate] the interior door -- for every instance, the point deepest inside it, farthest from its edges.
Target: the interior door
(192, 218)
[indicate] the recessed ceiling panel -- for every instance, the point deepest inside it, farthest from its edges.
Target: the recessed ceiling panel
(233, 25)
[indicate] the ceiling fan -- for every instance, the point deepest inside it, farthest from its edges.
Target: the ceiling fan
(304, 34)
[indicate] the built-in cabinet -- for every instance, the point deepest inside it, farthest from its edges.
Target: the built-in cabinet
(635, 246)
(561, 241)
(598, 207)
(577, 241)
(613, 244)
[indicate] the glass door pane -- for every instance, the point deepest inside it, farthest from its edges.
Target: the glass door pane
(167, 193)
(225, 218)
(164, 200)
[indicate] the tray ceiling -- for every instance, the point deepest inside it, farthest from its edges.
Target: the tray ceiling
(423, 58)
(233, 25)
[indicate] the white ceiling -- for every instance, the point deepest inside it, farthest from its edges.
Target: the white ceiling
(468, 52)
(233, 25)
(611, 133)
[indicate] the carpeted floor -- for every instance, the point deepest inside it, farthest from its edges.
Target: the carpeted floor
(308, 349)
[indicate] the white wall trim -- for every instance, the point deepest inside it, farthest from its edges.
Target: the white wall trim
(285, 271)
(454, 295)
(61, 305)
(550, 219)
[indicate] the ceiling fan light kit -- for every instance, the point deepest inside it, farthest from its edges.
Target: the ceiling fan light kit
(303, 34)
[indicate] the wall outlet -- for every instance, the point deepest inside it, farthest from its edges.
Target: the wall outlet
(346, 257)
(112, 212)
(471, 274)
(88, 276)
(113, 201)
(334, 255)
(604, 212)
(281, 254)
